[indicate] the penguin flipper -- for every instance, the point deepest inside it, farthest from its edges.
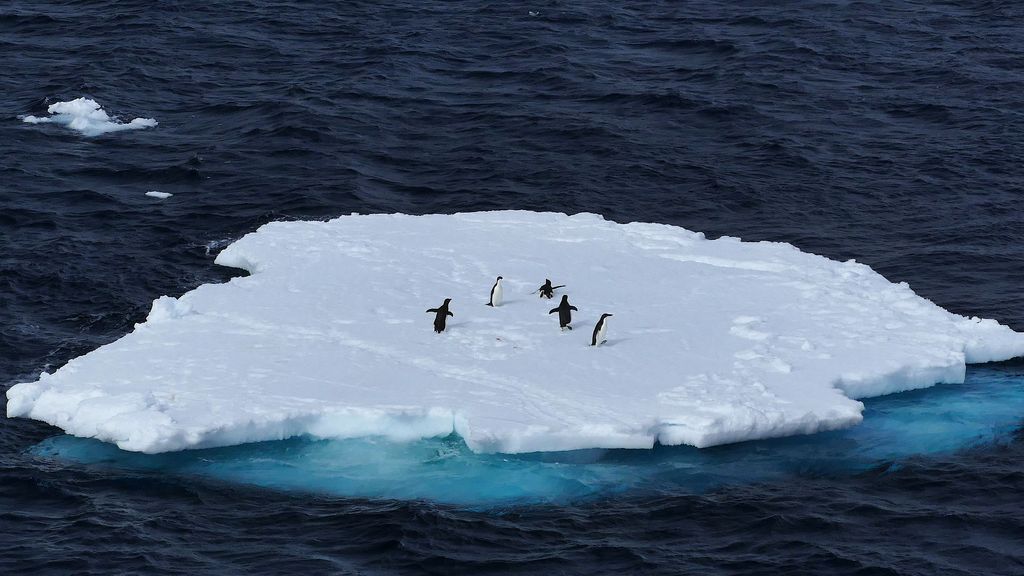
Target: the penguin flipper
(434, 310)
(574, 308)
(452, 314)
(553, 310)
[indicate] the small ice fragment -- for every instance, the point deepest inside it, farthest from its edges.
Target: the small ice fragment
(86, 116)
(160, 195)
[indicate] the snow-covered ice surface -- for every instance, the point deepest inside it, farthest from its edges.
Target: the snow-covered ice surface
(86, 116)
(712, 342)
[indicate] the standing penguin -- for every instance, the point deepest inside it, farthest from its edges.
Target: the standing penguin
(599, 330)
(564, 314)
(547, 290)
(496, 293)
(442, 315)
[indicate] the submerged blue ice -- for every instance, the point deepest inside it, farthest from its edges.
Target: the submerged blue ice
(942, 419)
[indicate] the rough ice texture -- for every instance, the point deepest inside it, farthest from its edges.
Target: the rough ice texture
(86, 116)
(712, 341)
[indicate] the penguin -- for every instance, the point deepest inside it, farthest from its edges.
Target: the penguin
(564, 314)
(547, 290)
(496, 293)
(442, 315)
(599, 330)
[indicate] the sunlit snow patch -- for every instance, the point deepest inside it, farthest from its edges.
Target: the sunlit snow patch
(987, 407)
(713, 341)
(86, 116)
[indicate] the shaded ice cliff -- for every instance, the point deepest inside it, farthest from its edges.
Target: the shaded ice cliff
(713, 341)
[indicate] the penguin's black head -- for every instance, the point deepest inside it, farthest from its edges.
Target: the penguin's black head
(565, 297)
(606, 315)
(447, 300)
(499, 277)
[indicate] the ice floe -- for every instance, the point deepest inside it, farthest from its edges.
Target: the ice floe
(714, 341)
(86, 116)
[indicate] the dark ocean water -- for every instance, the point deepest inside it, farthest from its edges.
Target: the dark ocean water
(890, 132)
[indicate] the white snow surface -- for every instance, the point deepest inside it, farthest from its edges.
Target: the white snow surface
(713, 341)
(160, 195)
(86, 116)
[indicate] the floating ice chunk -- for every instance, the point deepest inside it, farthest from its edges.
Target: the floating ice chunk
(86, 116)
(160, 195)
(716, 341)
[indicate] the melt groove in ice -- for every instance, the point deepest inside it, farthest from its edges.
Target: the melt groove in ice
(713, 341)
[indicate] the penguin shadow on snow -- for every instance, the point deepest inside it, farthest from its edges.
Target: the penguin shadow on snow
(504, 303)
(499, 293)
(508, 301)
(609, 343)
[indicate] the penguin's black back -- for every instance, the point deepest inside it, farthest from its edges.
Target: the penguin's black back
(490, 301)
(597, 330)
(564, 312)
(441, 316)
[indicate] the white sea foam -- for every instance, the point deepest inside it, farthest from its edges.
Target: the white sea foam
(714, 341)
(86, 116)
(160, 195)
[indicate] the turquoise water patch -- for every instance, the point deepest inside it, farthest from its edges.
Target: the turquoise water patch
(941, 419)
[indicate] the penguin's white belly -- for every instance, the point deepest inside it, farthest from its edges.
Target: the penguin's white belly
(601, 332)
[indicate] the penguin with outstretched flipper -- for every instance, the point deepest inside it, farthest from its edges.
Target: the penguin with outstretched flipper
(547, 290)
(564, 312)
(442, 314)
